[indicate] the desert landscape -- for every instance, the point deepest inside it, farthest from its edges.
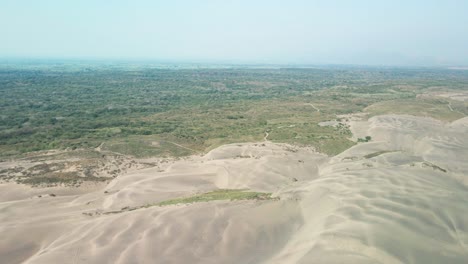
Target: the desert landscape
(402, 197)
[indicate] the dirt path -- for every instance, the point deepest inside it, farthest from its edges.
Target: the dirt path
(99, 148)
(313, 106)
(184, 147)
(450, 106)
(286, 126)
(451, 109)
(265, 138)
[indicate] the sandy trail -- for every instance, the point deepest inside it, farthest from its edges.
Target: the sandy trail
(401, 198)
(313, 106)
(180, 146)
(452, 110)
(99, 148)
(450, 106)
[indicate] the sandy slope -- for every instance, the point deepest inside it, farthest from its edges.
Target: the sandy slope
(407, 202)
(392, 208)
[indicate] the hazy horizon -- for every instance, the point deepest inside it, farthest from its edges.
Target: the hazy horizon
(420, 33)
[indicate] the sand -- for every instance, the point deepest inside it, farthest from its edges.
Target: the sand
(400, 198)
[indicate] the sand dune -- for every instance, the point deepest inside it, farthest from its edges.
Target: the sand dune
(401, 198)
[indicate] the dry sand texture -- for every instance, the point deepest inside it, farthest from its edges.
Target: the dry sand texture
(401, 198)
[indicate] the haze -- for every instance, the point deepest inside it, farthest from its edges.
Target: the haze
(429, 33)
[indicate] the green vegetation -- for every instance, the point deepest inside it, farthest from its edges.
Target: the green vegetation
(428, 107)
(365, 139)
(146, 111)
(53, 180)
(378, 153)
(216, 195)
(433, 166)
(222, 194)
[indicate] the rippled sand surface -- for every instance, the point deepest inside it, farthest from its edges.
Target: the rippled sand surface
(400, 198)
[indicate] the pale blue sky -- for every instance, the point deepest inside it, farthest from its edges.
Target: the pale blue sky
(393, 32)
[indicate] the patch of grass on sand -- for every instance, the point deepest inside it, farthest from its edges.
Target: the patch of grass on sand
(217, 195)
(433, 166)
(378, 153)
(222, 194)
(59, 178)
